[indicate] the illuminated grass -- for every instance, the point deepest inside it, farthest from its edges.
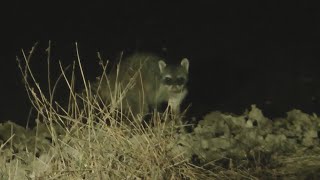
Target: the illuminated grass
(92, 140)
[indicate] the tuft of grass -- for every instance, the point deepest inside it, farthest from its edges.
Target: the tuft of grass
(91, 139)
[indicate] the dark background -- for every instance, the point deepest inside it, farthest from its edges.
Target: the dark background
(240, 54)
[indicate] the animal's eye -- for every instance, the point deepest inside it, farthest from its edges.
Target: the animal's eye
(168, 81)
(180, 81)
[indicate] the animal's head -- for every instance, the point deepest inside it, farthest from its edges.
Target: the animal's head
(174, 77)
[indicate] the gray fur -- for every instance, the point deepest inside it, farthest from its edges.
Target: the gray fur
(149, 86)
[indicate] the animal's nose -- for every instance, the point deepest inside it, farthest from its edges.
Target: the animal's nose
(175, 88)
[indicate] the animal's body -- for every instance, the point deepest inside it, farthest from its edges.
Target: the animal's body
(146, 82)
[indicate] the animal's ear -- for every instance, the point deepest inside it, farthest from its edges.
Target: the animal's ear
(185, 64)
(162, 65)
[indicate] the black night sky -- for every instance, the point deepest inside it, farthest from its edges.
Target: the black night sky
(241, 54)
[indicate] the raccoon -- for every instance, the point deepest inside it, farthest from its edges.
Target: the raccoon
(147, 81)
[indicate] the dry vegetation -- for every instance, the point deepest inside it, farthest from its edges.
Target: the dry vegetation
(87, 139)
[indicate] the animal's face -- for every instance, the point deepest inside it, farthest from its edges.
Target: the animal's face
(174, 78)
(174, 84)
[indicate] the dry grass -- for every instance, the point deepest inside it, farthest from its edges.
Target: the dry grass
(92, 140)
